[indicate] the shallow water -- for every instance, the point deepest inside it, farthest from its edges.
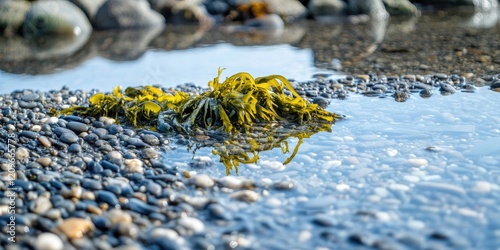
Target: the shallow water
(391, 172)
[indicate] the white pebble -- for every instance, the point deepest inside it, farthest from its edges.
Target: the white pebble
(391, 152)
(305, 235)
(333, 163)
(482, 187)
(468, 212)
(107, 120)
(52, 120)
(202, 181)
(416, 224)
(49, 241)
(274, 202)
(22, 153)
(57, 99)
(192, 224)
(134, 165)
(36, 128)
(411, 178)
(231, 182)
(276, 165)
(418, 162)
(342, 187)
(72, 99)
(245, 195)
(399, 187)
(352, 160)
(348, 138)
(164, 233)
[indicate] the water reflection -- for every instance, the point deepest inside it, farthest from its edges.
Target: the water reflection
(236, 149)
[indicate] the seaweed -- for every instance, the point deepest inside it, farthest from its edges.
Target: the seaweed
(233, 111)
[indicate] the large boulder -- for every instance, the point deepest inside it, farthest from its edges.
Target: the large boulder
(53, 17)
(319, 8)
(126, 14)
(400, 7)
(89, 7)
(12, 15)
(373, 8)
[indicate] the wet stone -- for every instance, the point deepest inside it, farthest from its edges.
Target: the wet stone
(77, 127)
(141, 207)
(75, 228)
(40, 205)
(30, 134)
(30, 97)
(91, 184)
(150, 139)
(245, 195)
(69, 138)
(75, 148)
(202, 181)
(107, 197)
(149, 153)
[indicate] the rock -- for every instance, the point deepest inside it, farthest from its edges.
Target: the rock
(373, 8)
(231, 182)
(326, 7)
(89, 7)
(107, 197)
(77, 127)
(49, 241)
(53, 17)
(479, 4)
(116, 216)
(12, 14)
(22, 154)
(202, 181)
(288, 10)
(245, 195)
(193, 225)
(133, 166)
(69, 138)
(75, 228)
(400, 7)
(75, 148)
(127, 229)
(40, 205)
(126, 14)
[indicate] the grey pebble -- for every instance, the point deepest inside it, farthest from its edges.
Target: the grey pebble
(75, 148)
(68, 137)
(139, 206)
(40, 205)
(150, 139)
(29, 134)
(137, 142)
(150, 153)
(91, 184)
(30, 97)
(77, 127)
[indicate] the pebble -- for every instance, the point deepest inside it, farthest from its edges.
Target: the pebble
(116, 216)
(77, 127)
(441, 187)
(164, 233)
(245, 195)
(133, 166)
(275, 165)
(40, 205)
(128, 229)
(22, 154)
(231, 182)
(49, 241)
(202, 181)
(192, 224)
(68, 137)
(149, 153)
(75, 228)
(107, 197)
(418, 162)
(75, 148)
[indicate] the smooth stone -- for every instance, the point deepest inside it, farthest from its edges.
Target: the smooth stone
(49, 241)
(192, 224)
(29, 134)
(127, 229)
(115, 129)
(116, 216)
(150, 139)
(77, 127)
(75, 148)
(91, 184)
(441, 187)
(417, 162)
(231, 182)
(202, 181)
(137, 142)
(126, 14)
(68, 138)
(150, 153)
(44, 141)
(164, 233)
(40, 205)
(75, 228)
(107, 197)
(324, 220)
(139, 206)
(245, 195)
(22, 154)
(133, 166)
(284, 185)
(154, 188)
(94, 167)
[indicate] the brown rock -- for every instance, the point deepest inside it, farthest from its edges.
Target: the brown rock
(75, 228)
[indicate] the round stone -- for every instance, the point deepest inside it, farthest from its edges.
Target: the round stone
(150, 153)
(192, 224)
(75, 148)
(231, 182)
(40, 205)
(116, 216)
(75, 228)
(69, 137)
(134, 166)
(202, 181)
(245, 195)
(44, 141)
(22, 154)
(77, 127)
(49, 241)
